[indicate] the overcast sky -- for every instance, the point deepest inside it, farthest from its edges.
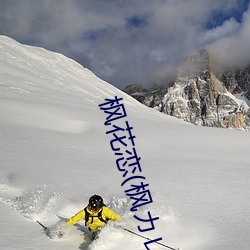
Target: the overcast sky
(131, 41)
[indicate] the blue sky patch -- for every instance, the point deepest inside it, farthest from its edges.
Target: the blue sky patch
(219, 17)
(136, 21)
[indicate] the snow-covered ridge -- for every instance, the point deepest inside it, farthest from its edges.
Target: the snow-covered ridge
(33, 74)
(35, 68)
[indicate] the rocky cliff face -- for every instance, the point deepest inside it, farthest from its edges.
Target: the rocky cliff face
(237, 81)
(200, 96)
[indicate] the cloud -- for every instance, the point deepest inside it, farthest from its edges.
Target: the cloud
(121, 41)
(228, 28)
(233, 49)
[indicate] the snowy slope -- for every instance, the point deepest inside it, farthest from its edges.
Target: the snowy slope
(55, 154)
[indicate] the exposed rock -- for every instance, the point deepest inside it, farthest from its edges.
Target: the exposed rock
(137, 91)
(201, 97)
(237, 81)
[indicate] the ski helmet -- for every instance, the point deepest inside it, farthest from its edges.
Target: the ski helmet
(95, 202)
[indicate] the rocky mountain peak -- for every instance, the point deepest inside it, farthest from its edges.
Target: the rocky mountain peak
(196, 64)
(200, 96)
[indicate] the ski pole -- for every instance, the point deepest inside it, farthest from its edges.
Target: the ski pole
(149, 239)
(45, 228)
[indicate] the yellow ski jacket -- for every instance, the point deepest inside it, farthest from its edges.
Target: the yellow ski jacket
(94, 223)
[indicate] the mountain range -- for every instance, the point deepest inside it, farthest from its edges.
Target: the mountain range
(202, 94)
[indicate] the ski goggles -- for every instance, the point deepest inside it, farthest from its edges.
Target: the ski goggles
(94, 208)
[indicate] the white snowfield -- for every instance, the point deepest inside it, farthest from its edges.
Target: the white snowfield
(55, 154)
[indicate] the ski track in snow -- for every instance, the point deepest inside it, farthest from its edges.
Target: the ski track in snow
(36, 204)
(40, 204)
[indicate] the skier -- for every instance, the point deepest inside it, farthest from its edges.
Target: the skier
(95, 214)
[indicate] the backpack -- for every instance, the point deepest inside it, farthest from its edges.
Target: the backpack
(99, 216)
